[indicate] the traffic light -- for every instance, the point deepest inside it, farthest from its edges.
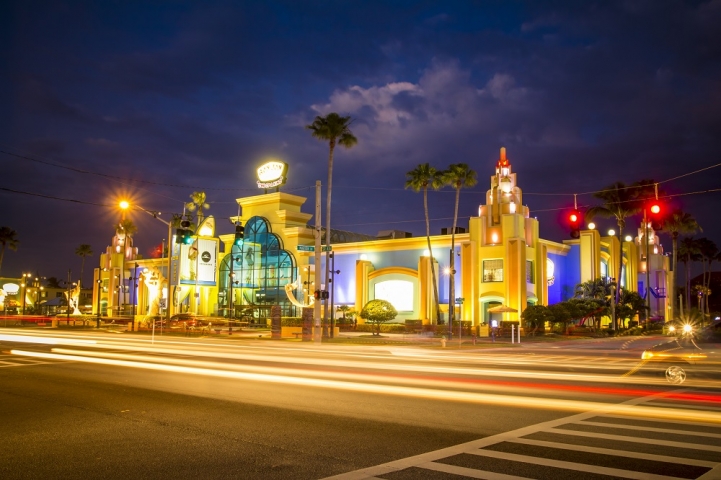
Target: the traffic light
(185, 233)
(655, 215)
(239, 232)
(317, 294)
(574, 222)
(179, 234)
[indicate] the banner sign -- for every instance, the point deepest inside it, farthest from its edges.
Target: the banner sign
(198, 262)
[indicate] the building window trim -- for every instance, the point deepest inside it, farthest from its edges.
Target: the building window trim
(493, 270)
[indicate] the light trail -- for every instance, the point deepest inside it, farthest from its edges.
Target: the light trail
(46, 340)
(395, 378)
(426, 393)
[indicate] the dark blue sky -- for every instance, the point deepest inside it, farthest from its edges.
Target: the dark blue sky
(194, 95)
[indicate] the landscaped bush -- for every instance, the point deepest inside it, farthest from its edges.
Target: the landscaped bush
(384, 328)
(291, 321)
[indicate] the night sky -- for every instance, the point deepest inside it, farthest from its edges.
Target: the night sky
(154, 100)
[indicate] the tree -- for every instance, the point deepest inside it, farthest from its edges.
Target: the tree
(620, 201)
(597, 293)
(419, 179)
(534, 317)
(709, 252)
(198, 202)
(677, 223)
(53, 282)
(9, 239)
(83, 251)
(458, 176)
(688, 251)
(560, 314)
(127, 226)
(378, 312)
(335, 130)
(629, 305)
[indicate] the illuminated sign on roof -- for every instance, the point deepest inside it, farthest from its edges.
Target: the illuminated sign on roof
(272, 174)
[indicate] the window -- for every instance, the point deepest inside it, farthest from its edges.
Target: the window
(529, 272)
(398, 292)
(493, 270)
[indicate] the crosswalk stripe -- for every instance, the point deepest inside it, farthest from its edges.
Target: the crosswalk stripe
(468, 472)
(579, 467)
(624, 438)
(652, 429)
(617, 453)
(665, 420)
(688, 406)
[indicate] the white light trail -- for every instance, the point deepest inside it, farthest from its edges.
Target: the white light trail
(441, 395)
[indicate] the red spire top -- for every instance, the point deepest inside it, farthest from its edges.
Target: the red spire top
(503, 161)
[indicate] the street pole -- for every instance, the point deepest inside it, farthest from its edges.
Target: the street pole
(648, 265)
(97, 302)
(613, 303)
(67, 311)
(25, 292)
(135, 291)
(316, 305)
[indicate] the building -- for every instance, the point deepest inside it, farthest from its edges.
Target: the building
(500, 260)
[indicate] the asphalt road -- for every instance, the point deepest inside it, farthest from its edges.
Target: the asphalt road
(113, 406)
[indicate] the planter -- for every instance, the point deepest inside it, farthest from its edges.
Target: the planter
(296, 332)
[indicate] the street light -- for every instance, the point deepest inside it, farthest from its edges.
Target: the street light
(124, 205)
(97, 302)
(331, 280)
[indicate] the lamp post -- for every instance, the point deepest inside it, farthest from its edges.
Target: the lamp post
(331, 279)
(124, 205)
(613, 302)
(25, 288)
(97, 302)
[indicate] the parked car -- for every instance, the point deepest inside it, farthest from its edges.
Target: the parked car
(694, 356)
(190, 320)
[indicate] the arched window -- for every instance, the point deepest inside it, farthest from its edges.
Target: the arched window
(258, 271)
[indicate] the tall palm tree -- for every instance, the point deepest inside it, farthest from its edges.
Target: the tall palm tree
(620, 201)
(677, 223)
(335, 130)
(8, 238)
(83, 251)
(688, 251)
(198, 202)
(458, 176)
(709, 252)
(420, 178)
(127, 226)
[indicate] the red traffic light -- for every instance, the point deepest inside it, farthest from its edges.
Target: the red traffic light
(574, 220)
(655, 208)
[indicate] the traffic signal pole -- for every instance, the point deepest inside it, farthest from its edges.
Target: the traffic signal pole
(317, 333)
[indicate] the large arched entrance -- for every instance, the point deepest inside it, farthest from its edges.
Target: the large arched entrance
(254, 274)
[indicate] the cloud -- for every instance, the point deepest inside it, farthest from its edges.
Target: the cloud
(437, 116)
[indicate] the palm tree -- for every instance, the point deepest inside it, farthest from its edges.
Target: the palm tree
(598, 291)
(677, 223)
(197, 202)
(127, 226)
(709, 251)
(335, 130)
(8, 238)
(83, 251)
(458, 176)
(419, 179)
(620, 201)
(689, 251)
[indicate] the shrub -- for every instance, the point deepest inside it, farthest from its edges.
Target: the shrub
(384, 328)
(291, 321)
(378, 312)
